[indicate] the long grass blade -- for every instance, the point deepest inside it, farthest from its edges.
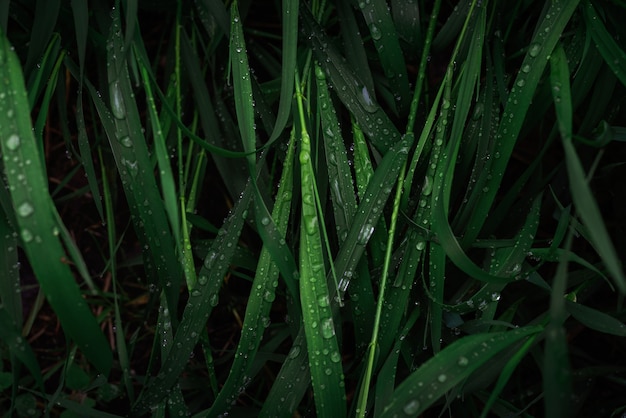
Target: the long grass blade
(321, 338)
(36, 223)
(583, 198)
(124, 129)
(260, 303)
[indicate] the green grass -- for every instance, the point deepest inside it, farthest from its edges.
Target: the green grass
(284, 209)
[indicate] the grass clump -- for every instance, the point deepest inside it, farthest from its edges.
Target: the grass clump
(330, 209)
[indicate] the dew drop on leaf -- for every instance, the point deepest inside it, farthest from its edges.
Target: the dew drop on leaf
(328, 330)
(364, 235)
(126, 141)
(294, 352)
(411, 407)
(27, 236)
(25, 209)
(13, 142)
(117, 100)
(534, 49)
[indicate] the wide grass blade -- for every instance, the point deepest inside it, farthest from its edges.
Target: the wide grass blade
(322, 346)
(449, 368)
(124, 130)
(36, 223)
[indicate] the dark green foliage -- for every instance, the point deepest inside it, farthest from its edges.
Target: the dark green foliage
(351, 208)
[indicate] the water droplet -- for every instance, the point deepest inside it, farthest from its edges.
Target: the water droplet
(295, 351)
(521, 82)
(310, 225)
(13, 142)
(526, 69)
(427, 188)
(335, 357)
(364, 235)
(367, 101)
(132, 167)
(196, 292)
(214, 299)
(117, 100)
(411, 407)
(462, 361)
(420, 245)
(328, 371)
(126, 141)
(375, 31)
(534, 49)
(27, 236)
(269, 296)
(442, 378)
(25, 209)
(265, 221)
(323, 301)
(319, 73)
(210, 260)
(328, 330)
(202, 280)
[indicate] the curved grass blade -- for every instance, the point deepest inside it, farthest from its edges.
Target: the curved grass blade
(595, 319)
(18, 347)
(613, 55)
(449, 368)
(289, 51)
(35, 215)
(584, 200)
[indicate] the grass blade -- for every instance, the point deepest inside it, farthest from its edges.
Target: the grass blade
(35, 215)
(124, 129)
(613, 55)
(583, 198)
(350, 89)
(204, 297)
(546, 36)
(323, 349)
(259, 303)
(449, 368)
